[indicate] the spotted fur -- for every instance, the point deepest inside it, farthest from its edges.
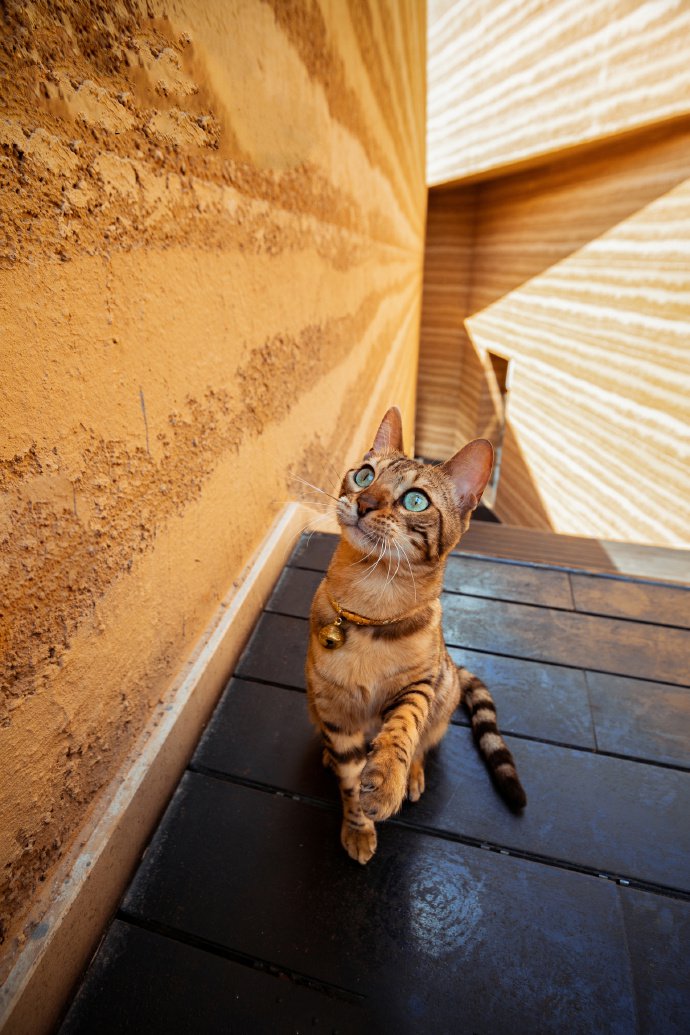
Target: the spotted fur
(386, 696)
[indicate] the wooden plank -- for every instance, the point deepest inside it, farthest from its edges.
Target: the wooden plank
(512, 542)
(262, 734)
(527, 585)
(548, 702)
(314, 551)
(534, 699)
(421, 932)
(636, 717)
(568, 638)
(658, 931)
(294, 592)
(606, 814)
(141, 981)
(529, 544)
(642, 601)
(276, 651)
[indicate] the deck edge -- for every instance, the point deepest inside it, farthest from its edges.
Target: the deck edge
(82, 895)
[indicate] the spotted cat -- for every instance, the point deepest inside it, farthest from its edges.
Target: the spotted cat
(381, 686)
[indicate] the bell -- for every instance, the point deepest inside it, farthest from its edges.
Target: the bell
(331, 636)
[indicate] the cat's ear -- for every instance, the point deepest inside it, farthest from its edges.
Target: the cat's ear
(469, 471)
(389, 437)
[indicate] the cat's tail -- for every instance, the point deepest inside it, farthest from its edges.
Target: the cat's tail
(501, 764)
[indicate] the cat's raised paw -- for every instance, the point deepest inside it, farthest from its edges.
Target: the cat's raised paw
(382, 789)
(359, 841)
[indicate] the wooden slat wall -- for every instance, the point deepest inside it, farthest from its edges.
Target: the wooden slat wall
(511, 81)
(443, 366)
(579, 272)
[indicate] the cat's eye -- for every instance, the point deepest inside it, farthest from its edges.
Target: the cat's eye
(364, 476)
(415, 501)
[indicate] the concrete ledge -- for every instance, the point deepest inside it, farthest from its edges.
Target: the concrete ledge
(83, 894)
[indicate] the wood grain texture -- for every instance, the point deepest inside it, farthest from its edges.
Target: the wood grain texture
(512, 81)
(580, 273)
(442, 370)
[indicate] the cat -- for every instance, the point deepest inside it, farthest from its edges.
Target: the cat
(381, 686)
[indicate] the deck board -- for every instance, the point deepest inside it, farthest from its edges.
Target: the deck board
(246, 915)
(592, 642)
(404, 933)
(619, 803)
(152, 983)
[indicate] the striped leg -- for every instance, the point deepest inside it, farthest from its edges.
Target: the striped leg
(393, 752)
(345, 753)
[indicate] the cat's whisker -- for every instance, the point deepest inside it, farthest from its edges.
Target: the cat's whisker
(366, 555)
(307, 528)
(336, 472)
(296, 478)
(380, 542)
(391, 579)
(409, 566)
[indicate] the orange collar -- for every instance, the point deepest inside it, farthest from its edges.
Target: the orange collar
(352, 616)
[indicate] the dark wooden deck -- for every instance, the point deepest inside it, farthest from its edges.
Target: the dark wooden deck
(246, 915)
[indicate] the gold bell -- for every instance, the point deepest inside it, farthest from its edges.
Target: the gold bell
(332, 636)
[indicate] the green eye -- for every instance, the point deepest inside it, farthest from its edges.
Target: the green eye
(364, 476)
(415, 500)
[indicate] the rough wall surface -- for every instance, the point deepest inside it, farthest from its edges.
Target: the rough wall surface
(211, 220)
(511, 81)
(579, 273)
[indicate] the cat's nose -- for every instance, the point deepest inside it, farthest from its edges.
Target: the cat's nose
(365, 503)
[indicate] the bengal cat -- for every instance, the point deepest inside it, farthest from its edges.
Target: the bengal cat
(381, 685)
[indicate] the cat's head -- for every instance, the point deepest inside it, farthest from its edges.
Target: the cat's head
(390, 503)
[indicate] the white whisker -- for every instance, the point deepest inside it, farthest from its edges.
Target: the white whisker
(296, 477)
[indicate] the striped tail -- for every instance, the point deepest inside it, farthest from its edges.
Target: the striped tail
(499, 761)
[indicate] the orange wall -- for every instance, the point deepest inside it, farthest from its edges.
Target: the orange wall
(211, 231)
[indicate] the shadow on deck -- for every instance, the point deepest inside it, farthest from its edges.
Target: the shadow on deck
(246, 916)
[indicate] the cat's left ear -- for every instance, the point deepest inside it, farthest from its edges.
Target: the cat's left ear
(469, 471)
(389, 437)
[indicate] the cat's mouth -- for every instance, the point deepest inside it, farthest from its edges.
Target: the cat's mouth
(350, 521)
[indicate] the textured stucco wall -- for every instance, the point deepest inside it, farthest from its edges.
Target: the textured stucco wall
(512, 81)
(211, 220)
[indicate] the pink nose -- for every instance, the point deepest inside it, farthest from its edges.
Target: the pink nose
(365, 503)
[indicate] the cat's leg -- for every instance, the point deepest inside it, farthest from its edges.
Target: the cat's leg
(415, 780)
(346, 754)
(394, 752)
(433, 734)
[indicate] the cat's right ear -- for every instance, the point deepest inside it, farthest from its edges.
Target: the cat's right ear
(389, 437)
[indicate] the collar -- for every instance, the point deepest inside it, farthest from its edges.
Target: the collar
(357, 619)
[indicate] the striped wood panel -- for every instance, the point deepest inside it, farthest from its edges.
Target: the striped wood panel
(511, 81)
(580, 272)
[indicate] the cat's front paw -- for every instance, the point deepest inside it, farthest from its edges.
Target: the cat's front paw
(359, 841)
(383, 785)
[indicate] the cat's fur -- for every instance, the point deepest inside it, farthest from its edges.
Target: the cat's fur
(385, 697)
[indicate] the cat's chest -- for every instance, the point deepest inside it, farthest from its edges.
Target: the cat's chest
(373, 664)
